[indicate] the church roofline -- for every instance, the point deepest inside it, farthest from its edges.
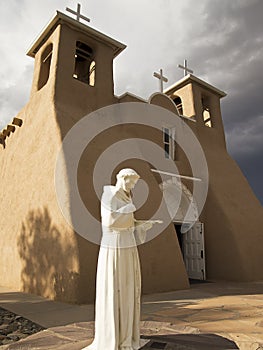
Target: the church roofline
(189, 79)
(62, 18)
(131, 95)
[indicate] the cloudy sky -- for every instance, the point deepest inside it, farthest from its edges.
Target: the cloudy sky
(222, 40)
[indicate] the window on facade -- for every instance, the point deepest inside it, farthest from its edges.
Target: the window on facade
(45, 66)
(206, 112)
(179, 104)
(169, 143)
(85, 67)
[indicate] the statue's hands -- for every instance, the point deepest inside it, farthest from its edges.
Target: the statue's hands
(147, 224)
(156, 221)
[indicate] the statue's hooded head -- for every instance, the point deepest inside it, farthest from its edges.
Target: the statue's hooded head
(127, 178)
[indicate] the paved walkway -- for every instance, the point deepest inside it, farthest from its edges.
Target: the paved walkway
(205, 317)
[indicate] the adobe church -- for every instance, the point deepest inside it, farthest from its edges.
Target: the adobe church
(40, 252)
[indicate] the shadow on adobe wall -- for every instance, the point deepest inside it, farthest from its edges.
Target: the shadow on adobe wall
(46, 259)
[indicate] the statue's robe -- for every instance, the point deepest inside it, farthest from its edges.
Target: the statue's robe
(118, 285)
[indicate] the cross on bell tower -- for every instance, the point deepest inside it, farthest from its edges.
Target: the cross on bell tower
(161, 77)
(185, 68)
(78, 13)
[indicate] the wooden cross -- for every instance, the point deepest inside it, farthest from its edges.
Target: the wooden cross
(185, 68)
(161, 78)
(78, 14)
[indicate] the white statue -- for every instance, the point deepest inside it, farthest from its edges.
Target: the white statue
(118, 285)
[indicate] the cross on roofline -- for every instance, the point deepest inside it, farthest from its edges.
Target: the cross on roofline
(78, 14)
(161, 77)
(185, 68)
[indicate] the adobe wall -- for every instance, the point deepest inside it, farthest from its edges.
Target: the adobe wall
(233, 219)
(42, 254)
(38, 253)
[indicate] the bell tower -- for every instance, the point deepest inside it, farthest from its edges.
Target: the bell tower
(74, 64)
(199, 101)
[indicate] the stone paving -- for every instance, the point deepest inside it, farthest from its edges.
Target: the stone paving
(205, 317)
(230, 310)
(156, 335)
(14, 327)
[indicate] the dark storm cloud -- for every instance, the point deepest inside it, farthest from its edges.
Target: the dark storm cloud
(240, 141)
(252, 168)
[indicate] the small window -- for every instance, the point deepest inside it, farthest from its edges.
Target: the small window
(207, 118)
(85, 66)
(206, 112)
(169, 143)
(45, 66)
(92, 70)
(179, 104)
